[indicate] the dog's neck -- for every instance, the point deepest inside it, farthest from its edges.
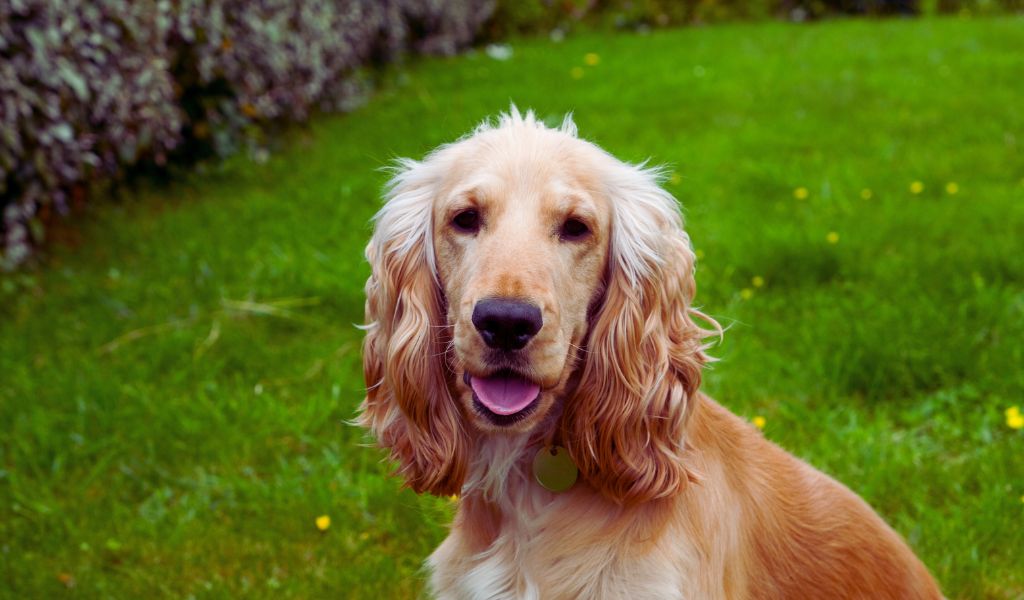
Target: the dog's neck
(500, 463)
(501, 489)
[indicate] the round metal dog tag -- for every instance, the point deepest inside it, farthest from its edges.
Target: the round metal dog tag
(554, 469)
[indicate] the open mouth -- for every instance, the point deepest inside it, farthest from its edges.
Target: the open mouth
(503, 397)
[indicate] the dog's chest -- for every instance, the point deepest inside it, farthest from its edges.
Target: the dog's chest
(553, 556)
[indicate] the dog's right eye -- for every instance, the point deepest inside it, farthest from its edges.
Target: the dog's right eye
(467, 221)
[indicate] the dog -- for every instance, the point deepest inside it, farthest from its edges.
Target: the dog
(532, 347)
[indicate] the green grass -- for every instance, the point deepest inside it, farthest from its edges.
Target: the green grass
(175, 381)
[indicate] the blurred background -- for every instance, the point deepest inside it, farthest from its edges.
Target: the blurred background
(186, 188)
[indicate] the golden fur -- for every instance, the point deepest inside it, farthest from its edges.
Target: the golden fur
(677, 497)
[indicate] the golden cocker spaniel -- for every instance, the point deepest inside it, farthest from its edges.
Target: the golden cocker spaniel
(532, 347)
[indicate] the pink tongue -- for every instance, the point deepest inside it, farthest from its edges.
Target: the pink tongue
(504, 395)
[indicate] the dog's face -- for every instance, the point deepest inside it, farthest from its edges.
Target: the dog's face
(521, 238)
(522, 267)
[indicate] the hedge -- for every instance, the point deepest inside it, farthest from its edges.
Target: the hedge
(90, 88)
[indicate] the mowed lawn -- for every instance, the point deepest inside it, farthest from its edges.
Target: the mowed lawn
(175, 380)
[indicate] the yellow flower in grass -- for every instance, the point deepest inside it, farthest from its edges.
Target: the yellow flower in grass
(746, 293)
(916, 187)
(952, 188)
(759, 422)
(832, 237)
(675, 179)
(591, 58)
(757, 281)
(576, 72)
(323, 522)
(801, 193)
(865, 194)
(454, 498)
(1014, 418)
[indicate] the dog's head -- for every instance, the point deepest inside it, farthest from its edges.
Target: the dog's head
(522, 279)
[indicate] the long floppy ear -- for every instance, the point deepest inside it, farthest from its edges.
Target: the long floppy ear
(625, 426)
(409, 406)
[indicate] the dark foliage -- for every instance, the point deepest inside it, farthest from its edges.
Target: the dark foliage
(92, 88)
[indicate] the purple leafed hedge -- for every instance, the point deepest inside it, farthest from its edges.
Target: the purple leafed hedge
(90, 88)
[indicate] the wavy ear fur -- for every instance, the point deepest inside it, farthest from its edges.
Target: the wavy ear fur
(625, 424)
(409, 406)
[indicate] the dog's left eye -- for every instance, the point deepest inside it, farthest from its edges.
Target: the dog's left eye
(467, 221)
(574, 229)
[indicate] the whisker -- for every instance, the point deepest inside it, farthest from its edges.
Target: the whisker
(449, 347)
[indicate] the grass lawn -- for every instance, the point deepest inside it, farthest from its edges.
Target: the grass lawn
(175, 381)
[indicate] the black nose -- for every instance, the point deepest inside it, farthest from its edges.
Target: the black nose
(506, 324)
